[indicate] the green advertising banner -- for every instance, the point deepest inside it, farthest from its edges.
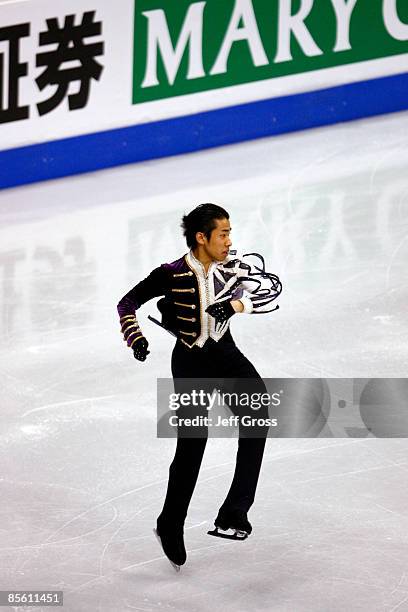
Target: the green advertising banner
(182, 47)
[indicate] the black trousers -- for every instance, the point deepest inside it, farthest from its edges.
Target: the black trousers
(213, 360)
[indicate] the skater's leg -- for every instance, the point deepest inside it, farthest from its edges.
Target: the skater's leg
(241, 494)
(251, 444)
(191, 442)
(183, 474)
(185, 467)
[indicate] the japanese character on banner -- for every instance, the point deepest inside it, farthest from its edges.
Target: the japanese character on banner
(10, 109)
(71, 47)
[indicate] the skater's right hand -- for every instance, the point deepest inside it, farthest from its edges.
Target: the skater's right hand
(140, 351)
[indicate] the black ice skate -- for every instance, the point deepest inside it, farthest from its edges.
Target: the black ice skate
(229, 534)
(172, 543)
(233, 527)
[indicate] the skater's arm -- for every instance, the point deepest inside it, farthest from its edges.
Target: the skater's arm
(251, 289)
(150, 287)
(260, 288)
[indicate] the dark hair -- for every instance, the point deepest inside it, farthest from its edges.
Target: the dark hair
(201, 219)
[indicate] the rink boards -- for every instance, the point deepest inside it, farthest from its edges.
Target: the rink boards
(84, 86)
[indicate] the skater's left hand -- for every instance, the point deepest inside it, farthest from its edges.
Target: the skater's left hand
(221, 311)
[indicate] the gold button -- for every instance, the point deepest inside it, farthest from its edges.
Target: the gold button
(194, 319)
(192, 290)
(190, 273)
(193, 306)
(194, 334)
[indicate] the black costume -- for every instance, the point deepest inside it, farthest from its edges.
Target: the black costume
(205, 348)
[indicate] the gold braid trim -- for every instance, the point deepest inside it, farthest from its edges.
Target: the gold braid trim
(189, 273)
(136, 339)
(186, 305)
(137, 331)
(129, 322)
(127, 317)
(133, 325)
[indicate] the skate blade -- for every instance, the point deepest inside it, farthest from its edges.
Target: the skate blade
(174, 565)
(228, 534)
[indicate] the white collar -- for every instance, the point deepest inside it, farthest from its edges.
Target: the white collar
(197, 265)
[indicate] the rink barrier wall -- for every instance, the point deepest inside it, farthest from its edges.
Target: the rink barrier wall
(90, 152)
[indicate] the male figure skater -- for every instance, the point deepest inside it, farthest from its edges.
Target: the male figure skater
(202, 290)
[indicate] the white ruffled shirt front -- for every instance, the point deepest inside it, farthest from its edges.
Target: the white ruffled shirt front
(227, 280)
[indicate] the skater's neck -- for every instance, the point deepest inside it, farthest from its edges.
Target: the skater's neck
(203, 257)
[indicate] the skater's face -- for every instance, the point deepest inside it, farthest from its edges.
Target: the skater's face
(216, 248)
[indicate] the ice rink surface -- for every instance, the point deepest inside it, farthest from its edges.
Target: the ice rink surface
(83, 475)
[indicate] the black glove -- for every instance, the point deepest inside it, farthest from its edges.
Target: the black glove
(140, 351)
(221, 311)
